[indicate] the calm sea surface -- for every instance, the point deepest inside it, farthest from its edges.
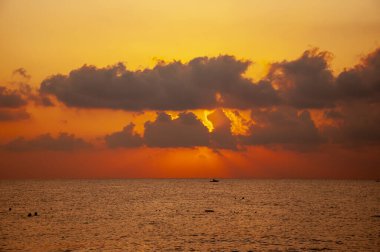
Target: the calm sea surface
(169, 215)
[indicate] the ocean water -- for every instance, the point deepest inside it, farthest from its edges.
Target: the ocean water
(170, 215)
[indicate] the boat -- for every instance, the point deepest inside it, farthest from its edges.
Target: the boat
(214, 180)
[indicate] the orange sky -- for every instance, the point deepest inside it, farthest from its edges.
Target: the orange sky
(47, 38)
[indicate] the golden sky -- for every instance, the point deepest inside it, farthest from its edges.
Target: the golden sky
(45, 38)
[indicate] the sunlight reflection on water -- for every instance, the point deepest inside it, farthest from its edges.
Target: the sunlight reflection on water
(170, 214)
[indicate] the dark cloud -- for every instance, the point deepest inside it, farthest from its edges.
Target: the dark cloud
(207, 83)
(362, 81)
(125, 138)
(201, 83)
(280, 103)
(357, 116)
(12, 103)
(11, 98)
(306, 82)
(25, 91)
(42, 100)
(184, 131)
(13, 115)
(333, 114)
(355, 124)
(64, 142)
(283, 126)
(21, 72)
(221, 136)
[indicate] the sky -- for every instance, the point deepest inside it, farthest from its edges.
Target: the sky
(190, 89)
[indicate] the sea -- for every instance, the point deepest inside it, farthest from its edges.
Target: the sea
(189, 215)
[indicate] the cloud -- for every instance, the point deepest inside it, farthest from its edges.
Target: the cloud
(125, 138)
(208, 83)
(280, 102)
(64, 142)
(184, 131)
(22, 72)
(306, 82)
(11, 98)
(355, 124)
(11, 105)
(356, 118)
(283, 126)
(361, 81)
(25, 92)
(221, 136)
(333, 114)
(201, 83)
(42, 100)
(13, 115)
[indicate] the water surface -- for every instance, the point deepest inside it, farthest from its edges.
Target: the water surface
(170, 215)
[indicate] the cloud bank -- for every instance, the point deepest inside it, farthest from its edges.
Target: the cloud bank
(208, 83)
(283, 104)
(125, 138)
(12, 105)
(202, 83)
(283, 126)
(63, 142)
